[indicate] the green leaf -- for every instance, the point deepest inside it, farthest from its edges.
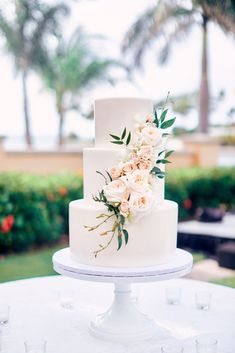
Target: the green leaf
(159, 154)
(156, 122)
(110, 178)
(119, 242)
(156, 170)
(163, 115)
(161, 176)
(117, 142)
(163, 161)
(168, 153)
(128, 139)
(126, 235)
(122, 219)
(123, 134)
(114, 137)
(165, 134)
(167, 123)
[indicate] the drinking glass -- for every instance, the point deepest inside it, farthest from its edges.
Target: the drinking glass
(66, 300)
(203, 300)
(173, 295)
(206, 345)
(4, 313)
(35, 346)
(172, 349)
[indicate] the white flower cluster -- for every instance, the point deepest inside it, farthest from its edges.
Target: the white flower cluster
(132, 185)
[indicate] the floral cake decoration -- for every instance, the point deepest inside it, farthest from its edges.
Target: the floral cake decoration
(129, 190)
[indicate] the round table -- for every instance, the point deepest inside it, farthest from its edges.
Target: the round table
(35, 312)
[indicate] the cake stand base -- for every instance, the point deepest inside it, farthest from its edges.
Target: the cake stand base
(123, 321)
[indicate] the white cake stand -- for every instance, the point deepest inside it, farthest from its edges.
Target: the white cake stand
(123, 321)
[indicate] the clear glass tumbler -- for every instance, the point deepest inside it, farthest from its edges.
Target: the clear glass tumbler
(4, 313)
(173, 295)
(206, 345)
(172, 349)
(203, 300)
(35, 346)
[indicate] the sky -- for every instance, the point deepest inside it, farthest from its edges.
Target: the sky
(112, 18)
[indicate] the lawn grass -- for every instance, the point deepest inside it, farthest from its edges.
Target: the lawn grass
(28, 265)
(198, 256)
(229, 282)
(39, 263)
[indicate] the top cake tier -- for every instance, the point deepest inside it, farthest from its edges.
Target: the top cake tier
(112, 115)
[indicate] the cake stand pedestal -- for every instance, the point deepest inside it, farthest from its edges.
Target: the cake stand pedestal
(123, 321)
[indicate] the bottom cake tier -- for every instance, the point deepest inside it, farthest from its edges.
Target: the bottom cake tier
(152, 239)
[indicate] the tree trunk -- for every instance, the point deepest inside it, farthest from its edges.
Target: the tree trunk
(28, 137)
(61, 126)
(204, 88)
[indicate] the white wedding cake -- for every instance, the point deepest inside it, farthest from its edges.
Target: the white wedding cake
(124, 220)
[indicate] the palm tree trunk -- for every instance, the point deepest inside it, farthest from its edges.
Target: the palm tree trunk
(28, 137)
(204, 88)
(61, 126)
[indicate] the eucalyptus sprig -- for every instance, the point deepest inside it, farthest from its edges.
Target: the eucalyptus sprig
(124, 139)
(161, 121)
(164, 160)
(158, 172)
(117, 227)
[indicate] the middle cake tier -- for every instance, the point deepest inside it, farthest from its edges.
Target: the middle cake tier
(101, 160)
(152, 239)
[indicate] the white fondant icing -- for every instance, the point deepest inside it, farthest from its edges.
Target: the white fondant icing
(97, 159)
(112, 115)
(152, 240)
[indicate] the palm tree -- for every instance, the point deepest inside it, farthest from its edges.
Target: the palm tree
(26, 37)
(72, 69)
(171, 20)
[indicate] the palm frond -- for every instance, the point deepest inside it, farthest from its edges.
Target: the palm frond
(156, 25)
(181, 30)
(221, 12)
(73, 68)
(8, 31)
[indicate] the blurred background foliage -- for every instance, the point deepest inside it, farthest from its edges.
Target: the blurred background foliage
(39, 206)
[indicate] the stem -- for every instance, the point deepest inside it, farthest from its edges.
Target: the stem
(107, 244)
(166, 100)
(98, 225)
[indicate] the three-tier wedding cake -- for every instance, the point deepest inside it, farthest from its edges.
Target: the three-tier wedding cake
(124, 220)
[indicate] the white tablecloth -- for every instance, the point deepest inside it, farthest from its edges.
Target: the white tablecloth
(35, 311)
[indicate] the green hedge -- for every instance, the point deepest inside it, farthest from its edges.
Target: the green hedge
(197, 187)
(34, 209)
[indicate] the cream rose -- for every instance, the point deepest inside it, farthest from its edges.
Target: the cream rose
(115, 191)
(128, 167)
(124, 208)
(146, 152)
(115, 172)
(151, 135)
(140, 204)
(150, 118)
(145, 164)
(138, 180)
